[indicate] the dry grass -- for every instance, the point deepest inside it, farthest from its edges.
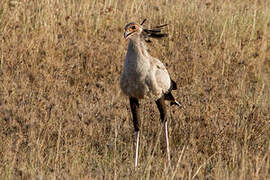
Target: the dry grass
(61, 116)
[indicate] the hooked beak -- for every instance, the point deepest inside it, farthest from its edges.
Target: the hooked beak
(126, 34)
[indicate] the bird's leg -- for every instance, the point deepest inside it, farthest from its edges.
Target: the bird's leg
(167, 141)
(134, 105)
(163, 116)
(137, 147)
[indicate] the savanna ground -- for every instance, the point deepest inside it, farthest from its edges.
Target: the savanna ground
(61, 113)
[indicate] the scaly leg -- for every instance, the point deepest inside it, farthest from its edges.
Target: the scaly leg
(137, 147)
(163, 116)
(167, 141)
(134, 105)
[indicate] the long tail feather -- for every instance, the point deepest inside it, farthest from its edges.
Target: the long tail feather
(173, 85)
(169, 97)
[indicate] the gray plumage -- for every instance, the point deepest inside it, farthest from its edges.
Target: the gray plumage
(143, 75)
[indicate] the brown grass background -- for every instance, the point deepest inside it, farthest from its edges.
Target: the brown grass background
(61, 113)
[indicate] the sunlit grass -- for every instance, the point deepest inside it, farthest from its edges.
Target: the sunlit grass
(61, 113)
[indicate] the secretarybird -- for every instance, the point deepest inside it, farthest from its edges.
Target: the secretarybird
(145, 77)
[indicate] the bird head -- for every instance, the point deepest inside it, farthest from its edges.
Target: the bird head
(133, 30)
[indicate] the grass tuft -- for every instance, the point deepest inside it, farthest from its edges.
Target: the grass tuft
(61, 113)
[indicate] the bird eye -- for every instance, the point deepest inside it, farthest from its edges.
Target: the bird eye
(133, 27)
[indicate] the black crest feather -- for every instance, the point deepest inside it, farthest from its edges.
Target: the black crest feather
(154, 32)
(143, 21)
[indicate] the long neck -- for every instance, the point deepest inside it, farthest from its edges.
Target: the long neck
(137, 58)
(136, 46)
